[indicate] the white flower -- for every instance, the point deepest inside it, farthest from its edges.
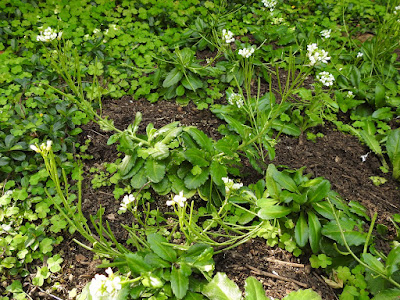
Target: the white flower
(227, 36)
(102, 287)
(326, 78)
(350, 94)
(397, 8)
(270, 4)
(35, 148)
(178, 199)
(316, 55)
(326, 33)
(47, 35)
(207, 268)
(126, 201)
(230, 185)
(235, 99)
(246, 52)
(96, 31)
(360, 54)
(276, 21)
(48, 145)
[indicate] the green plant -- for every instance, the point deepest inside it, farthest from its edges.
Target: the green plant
(393, 151)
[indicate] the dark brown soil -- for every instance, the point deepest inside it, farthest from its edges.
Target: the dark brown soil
(336, 156)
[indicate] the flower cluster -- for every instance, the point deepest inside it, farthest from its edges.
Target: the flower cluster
(316, 55)
(102, 287)
(270, 4)
(43, 148)
(246, 52)
(126, 201)
(350, 95)
(326, 33)
(235, 99)
(396, 9)
(360, 54)
(230, 185)
(326, 78)
(178, 199)
(48, 35)
(227, 36)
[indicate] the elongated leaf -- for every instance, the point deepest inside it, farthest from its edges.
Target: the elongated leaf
(136, 263)
(393, 261)
(301, 231)
(393, 151)
(371, 142)
(379, 95)
(315, 231)
(196, 157)
(179, 283)
(193, 83)
(272, 187)
(155, 170)
(324, 209)
(254, 289)
(389, 294)
(156, 245)
(172, 78)
(273, 212)
(222, 288)
(373, 262)
(218, 171)
(353, 238)
(195, 181)
(237, 126)
(201, 138)
(286, 128)
(285, 181)
(319, 192)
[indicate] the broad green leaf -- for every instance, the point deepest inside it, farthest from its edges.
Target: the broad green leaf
(196, 157)
(179, 282)
(163, 187)
(308, 294)
(286, 128)
(201, 138)
(193, 296)
(172, 78)
(373, 262)
(218, 171)
(301, 231)
(359, 209)
(273, 212)
(315, 231)
(353, 238)
(389, 294)
(254, 289)
(155, 261)
(195, 181)
(284, 180)
(180, 90)
(173, 133)
(222, 288)
(379, 95)
(393, 261)
(18, 155)
(273, 189)
(127, 164)
(136, 263)
(355, 76)
(324, 209)
(319, 192)
(155, 170)
(237, 126)
(393, 151)
(156, 244)
(192, 82)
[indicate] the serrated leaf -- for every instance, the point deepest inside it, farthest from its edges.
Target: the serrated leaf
(254, 289)
(273, 212)
(156, 245)
(136, 263)
(172, 78)
(139, 179)
(315, 231)
(301, 231)
(201, 138)
(155, 171)
(196, 157)
(371, 142)
(222, 288)
(179, 282)
(195, 181)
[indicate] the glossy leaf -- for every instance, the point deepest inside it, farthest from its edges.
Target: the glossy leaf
(373, 262)
(393, 261)
(301, 231)
(179, 282)
(136, 263)
(222, 288)
(155, 170)
(218, 171)
(273, 212)
(393, 151)
(156, 244)
(315, 231)
(254, 289)
(172, 78)
(319, 192)
(308, 294)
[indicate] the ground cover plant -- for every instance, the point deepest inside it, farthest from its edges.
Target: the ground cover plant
(199, 149)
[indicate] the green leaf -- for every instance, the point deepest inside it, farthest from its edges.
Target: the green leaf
(179, 282)
(301, 231)
(218, 171)
(254, 289)
(156, 244)
(284, 180)
(155, 170)
(273, 212)
(196, 157)
(273, 189)
(324, 209)
(373, 262)
(139, 179)
(193, 83)
(371, 142)
(393, 261)
(222, 288)
(393, 151)
(18, 155)
(172, 78)
(201, 138)
(389, 294)
(308, 294)
(353, 238)
(319, 192)
(355, 76)
(195, 181)
(315, 231)
(180, 90)
(379, 95)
